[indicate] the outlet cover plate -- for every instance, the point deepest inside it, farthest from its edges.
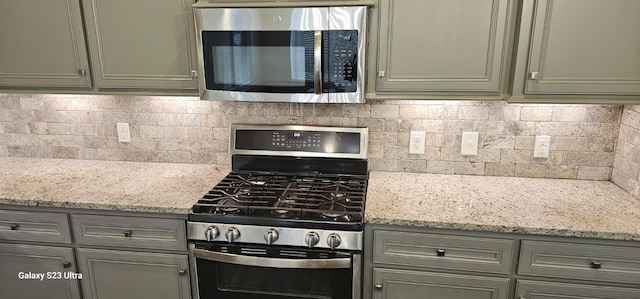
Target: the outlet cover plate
(469, 144)
(416, 142)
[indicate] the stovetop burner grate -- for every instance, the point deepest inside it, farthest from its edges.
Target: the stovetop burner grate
(318, 197)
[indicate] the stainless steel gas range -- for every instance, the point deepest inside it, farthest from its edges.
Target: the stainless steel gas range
(287, 221)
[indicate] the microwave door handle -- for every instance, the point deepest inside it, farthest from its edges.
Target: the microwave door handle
(338, 263)
(317, 62)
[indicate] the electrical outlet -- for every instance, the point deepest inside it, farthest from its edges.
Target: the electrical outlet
(541, 149)
(123, 132)
(469, 144)
(416, 142)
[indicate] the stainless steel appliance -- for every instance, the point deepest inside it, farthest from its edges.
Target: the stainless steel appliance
(287, 221)
(286, 54)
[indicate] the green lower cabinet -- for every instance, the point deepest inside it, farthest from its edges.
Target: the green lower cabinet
(395, 284)
(113, 274)
(32, 271)
(551, 290)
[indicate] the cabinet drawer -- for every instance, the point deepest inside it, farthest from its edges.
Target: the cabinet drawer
(34, 226)
(120, 231)
(550, 290)
(443, 251)
(401, 284)
(580, 261)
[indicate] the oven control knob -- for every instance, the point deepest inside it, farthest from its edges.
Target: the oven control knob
(271, 236)
(232, 234)
(334, 241)
(211, 233)
(312, 239)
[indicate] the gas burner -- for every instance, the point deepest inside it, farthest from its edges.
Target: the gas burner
(295, 196)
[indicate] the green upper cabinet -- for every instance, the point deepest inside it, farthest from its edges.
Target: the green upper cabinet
(436, 48)
(582, 49)
(42, 44)
(141, 44)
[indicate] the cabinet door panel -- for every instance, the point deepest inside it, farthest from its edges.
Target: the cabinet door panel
(585, 47)
(141, 43)
(392, 284)
(140, 275)
(17, 258)
(549, 290)
(42, 44)
(442, 46)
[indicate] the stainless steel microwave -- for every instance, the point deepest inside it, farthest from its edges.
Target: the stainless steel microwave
(285, 54)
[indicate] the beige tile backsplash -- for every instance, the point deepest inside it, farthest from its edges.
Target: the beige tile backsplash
(626, 169)
(187, 130)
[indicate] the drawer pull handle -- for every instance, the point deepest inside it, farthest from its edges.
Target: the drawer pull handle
(182, 272)
(596, 265)
(14, 226)
(127, 233)
(440, 252)
(378, 286)
(66, 264)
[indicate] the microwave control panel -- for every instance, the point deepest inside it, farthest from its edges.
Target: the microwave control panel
(343, 59)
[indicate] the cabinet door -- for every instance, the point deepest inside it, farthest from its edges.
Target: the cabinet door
(393, 284)
(141, 275)
(19, 260)
(141, 43)
(42, 44)
(585, 47)
(549, 290)
(442, 46)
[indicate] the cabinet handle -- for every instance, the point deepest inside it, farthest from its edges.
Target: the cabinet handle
(440, 252)
(381, 74)
(182, 272)
(82, 72)
(66, 264)
(194, 74)
(127, 233)
(534, 76)
(378, 286)
(520, 297)
(596, 265)
(14, 226)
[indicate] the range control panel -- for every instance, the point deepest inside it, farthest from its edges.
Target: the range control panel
(283, 140)
(296, 139)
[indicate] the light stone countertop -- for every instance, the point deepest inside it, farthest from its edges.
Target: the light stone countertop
(106, 185)
(572, 208)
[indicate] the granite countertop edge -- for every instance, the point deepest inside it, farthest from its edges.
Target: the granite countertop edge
(96, 206)
(551, 232)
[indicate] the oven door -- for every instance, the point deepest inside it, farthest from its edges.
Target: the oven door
(229, 271)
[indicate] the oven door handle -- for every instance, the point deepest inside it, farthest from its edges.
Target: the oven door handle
(338, 263)
(317, 62)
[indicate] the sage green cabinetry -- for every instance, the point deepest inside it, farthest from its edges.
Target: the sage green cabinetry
(578, 49)
(436, 48)
(141, 44)
(130, 274)
(549, 290)
(42, 44)
(52, 262)
(51, 256)
(132, 46)
(144, 257)
(118, 254)
(415, 262)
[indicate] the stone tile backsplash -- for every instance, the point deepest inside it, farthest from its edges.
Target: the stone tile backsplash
(626, 169)
(187, 130)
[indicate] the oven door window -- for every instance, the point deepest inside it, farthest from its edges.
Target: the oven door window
(232, 280)
(259, 61)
